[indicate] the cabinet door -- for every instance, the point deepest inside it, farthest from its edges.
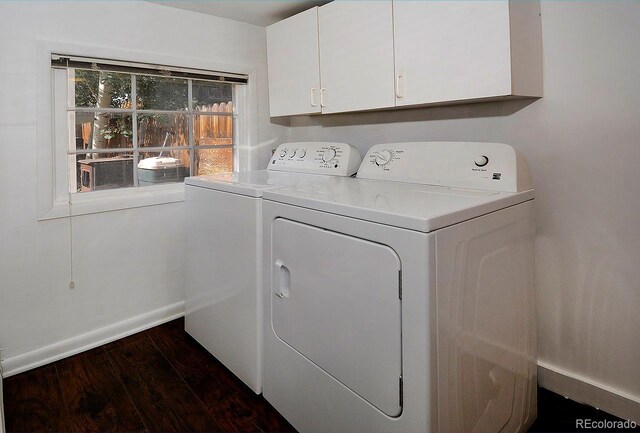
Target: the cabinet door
(293, 62)
(356, 55)
(451, 50)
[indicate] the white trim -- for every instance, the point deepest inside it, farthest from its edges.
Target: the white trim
(98, 337)
(588, 391)
(53, 202)
(246, 101)
(116, 199)
(2, 426)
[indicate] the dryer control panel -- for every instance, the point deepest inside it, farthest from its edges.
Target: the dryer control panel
(337, 159)
(475, 165)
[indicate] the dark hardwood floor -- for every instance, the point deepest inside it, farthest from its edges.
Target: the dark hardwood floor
(162, 380)
(560, 414)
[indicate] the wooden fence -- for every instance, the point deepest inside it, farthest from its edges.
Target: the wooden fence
(154, 130)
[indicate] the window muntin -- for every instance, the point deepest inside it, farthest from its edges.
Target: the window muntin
(178, 127)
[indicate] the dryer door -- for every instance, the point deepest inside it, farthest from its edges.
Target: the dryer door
(336, 302)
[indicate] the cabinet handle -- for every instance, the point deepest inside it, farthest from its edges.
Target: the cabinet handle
(312, 96)
(322, 104)
(399, 83)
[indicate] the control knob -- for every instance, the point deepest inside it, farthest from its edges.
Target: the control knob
(328, 155)
(383, 157)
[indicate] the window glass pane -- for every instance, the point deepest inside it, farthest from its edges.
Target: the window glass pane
(206, 93)
(212, 161)
(212, 129)
(163, 167)
(102, 89)
(102, 130)
(97, 172)
(161, 93)
(106, 158)
(163, 130)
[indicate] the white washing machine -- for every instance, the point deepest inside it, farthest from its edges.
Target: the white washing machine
(402, 301)
(223, 212)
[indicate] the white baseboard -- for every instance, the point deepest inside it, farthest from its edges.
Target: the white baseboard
(80, 343)
(585, 390)
(2, 427)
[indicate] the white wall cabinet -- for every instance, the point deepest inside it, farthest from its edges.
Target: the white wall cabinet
(356, 55)
(466, 50)
(294, 65)
(383, 54)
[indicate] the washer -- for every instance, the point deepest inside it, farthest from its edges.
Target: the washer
(402, 301)
(223, 254)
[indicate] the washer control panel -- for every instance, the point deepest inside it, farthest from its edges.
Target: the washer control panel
(488, 166)
(338, 159)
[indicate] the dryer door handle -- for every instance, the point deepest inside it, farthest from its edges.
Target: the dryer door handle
(284, 280)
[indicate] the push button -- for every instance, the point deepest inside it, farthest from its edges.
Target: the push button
(481, 161)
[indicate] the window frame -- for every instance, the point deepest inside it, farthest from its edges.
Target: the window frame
(52, 135)
(136, 148)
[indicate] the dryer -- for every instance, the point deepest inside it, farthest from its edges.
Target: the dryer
(402, 301)
(223, 300)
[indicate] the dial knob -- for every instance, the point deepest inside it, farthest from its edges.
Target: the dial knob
(283, 153)
(481, 160)
(383, 157)
(293, 154)
(328, 155)
(302, 153)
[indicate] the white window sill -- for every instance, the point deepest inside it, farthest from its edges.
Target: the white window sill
(115, 199)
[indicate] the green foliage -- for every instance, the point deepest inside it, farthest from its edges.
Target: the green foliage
(152, 93)
(118, 126)
(117, 130)
(162, 93)
(210, 92)
(88, 83)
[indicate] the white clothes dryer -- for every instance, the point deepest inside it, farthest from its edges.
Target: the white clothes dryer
(223, 255)
(402, 301)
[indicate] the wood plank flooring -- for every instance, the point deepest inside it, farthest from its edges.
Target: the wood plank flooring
(162, 380)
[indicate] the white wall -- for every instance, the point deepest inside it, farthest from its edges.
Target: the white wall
(582, 141)
(127, 265)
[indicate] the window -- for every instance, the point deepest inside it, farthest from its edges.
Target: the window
(58, 175)
(135, 125)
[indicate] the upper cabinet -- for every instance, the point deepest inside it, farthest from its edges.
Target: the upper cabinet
(466, 50)
(356, 55)
(381, 54)
(294, 65)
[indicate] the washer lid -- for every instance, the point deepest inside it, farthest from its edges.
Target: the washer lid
(412, 206)
(250, 183)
